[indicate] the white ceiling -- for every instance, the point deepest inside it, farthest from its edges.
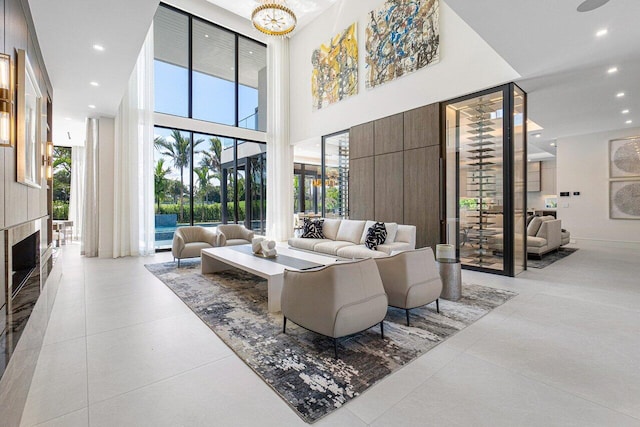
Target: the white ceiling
(67, 31)
(562, 63)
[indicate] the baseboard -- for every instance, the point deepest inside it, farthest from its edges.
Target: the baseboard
(607, 243)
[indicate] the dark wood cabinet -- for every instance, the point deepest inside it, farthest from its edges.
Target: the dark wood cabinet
(361, 141)
(422, 127)
(388, 188)
(361, 191)
(422, 194)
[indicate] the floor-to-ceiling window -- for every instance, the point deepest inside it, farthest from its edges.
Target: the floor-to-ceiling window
(61, 182)
(206, 74)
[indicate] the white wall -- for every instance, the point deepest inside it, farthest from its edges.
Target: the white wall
(583, 165)
(535, 199)
(106, 138)
(467, 64)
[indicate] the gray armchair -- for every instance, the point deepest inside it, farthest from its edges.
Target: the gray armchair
(235, 234)
(336, 300)
(411, 279)
(189, 241)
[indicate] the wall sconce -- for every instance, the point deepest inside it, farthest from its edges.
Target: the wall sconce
(5, 100)
(49, 161)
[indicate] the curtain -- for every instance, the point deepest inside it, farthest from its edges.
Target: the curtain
(76, 196)
(90, 212)
(279, 149)
(133, 228)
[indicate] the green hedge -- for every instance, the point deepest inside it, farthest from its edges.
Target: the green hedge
(60, 210)
(212, 211)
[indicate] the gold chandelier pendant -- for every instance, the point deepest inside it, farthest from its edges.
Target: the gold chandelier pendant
(274, 18)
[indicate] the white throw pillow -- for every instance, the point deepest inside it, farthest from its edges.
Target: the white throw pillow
(392, 230)
(330, 228)
(350, 231)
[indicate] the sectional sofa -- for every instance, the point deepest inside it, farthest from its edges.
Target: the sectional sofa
(345, 238)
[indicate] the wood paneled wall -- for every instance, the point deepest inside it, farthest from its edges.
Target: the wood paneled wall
(394, 171)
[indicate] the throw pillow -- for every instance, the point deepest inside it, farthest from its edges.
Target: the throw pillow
(312, 229)
(376, 235)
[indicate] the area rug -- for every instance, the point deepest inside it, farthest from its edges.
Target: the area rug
(300, 365)
(550, 258)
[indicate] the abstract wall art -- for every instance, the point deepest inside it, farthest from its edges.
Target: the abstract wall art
(624, 158)
(335, 69)
(624, 200)
(402, 36)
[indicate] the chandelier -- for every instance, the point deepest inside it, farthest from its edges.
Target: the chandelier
(274, 18)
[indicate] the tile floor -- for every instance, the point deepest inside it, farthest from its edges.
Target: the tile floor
(122, 350)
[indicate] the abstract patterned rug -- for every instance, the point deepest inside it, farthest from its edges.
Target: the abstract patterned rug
(300, 365)
(550, 258)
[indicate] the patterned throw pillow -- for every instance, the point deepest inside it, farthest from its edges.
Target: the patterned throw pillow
(312, 229)
(376, 235)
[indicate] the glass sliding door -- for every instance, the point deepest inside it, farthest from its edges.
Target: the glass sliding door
(485, 171)
(336, 175)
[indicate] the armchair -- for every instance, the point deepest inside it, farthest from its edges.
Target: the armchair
(336, 300)
(235, 234)
(411, 279)
(189, 241)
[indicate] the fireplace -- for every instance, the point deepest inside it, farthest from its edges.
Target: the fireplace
(24, 257)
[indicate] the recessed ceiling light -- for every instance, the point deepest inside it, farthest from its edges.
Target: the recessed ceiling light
(98, 47)
(96, 84)
(206, 36)
(250, 52)
(602, 32)
(625, 111)
(553, 144)
(589, 5)
(92, 106)
(538, 135)
(612, 70)
(629, 122)
(619, 94)
(67, 118)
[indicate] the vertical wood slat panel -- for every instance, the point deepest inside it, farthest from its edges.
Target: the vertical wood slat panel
(389, 195)
(361, 188)
(361, 141)
(389, 134)
(422, 127)
(422, 194)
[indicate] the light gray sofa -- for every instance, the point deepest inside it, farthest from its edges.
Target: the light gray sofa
(544, 234)
(345, 238)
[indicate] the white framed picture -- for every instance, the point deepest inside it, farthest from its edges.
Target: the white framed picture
(624, 158)
(624, 199)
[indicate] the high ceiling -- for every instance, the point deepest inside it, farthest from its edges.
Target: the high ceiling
(563, 63)
(555, 48)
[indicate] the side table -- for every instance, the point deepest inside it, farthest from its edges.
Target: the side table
(451, 275)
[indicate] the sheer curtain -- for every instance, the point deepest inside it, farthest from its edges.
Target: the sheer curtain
(279, 149)
(90, 211)
(133, 228)
(76, 197)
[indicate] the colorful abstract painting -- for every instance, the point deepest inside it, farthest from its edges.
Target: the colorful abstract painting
(335, 69)
(402, 36)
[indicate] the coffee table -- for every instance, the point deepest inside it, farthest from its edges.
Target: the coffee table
(241, 257)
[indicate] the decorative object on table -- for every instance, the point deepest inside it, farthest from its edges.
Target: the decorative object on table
(235, 234)
(234, 305)
(312, 229)
(550, 258)
(6, 101)
(624, 158)
(376, 235)
(624, 199)
(411, 279)
(274, 18)
(29, 124)
(263, 247)
(335, 69)
(189, 241)
(402, 36)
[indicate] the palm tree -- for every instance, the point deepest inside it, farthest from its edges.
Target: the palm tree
(203, 184)
(160, 178)
(211, 158)
(180, 153)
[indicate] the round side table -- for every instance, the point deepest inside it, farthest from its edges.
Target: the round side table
(451, 275)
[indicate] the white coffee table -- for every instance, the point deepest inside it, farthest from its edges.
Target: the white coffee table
(223, 258)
